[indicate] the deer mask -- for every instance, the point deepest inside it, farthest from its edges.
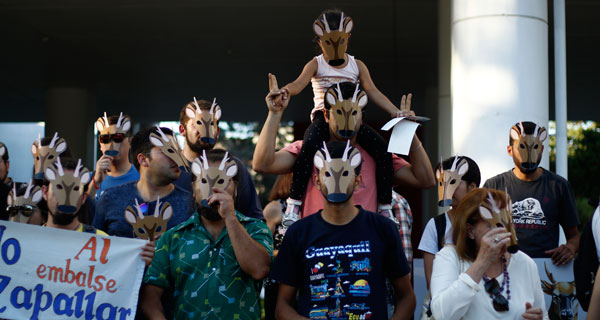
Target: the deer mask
(20, 208)
(449, 180)
(334, 42)
(146, 227)
(336, 175)
(500, 218)
(45, 156)
(347, 113)
(68, 187)
(114, 134)
(206, 122)
(529, 146)
(209, 177)
(170, 147)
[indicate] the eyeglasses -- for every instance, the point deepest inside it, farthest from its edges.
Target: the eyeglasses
(498, 300)
(26, 210)
(115, 137)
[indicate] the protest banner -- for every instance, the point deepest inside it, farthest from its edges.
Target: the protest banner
(48, 273)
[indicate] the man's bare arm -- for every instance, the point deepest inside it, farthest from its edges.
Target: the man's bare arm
(150, 302)
(284, 309)
(266, 159)
(405, 298)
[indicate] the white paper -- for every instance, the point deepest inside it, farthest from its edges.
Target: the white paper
(402, 135)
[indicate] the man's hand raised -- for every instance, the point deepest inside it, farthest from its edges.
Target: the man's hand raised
(277, 99)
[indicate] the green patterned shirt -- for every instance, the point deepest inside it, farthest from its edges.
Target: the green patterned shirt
(203, 276)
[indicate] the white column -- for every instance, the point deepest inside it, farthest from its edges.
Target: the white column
(560, 88)
(499, 76)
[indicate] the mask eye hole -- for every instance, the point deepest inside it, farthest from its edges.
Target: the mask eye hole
(204, 180)
(198, 122)
(345, 173)
(522, 146)
(76, 188)
(141, 231)
(171, 151)
(354, 112)
(37, 157)
(343, 41)
(158, 229)
(212, 123)
(327, 174)
(221, 181)
(441, 183)
(59, 186)
(535, 147)
(50, 157)
(338, 111)
(327, 42)
(453, 181)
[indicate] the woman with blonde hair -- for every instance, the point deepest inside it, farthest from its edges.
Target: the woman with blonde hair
(477, 278)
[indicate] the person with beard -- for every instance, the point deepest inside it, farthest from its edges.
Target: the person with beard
(201, 131)
(213, 264)
(541, 199)
(335, 262)
(157, 174)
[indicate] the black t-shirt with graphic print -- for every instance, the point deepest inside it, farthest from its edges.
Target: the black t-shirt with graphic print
(340, 271)
(538, 208)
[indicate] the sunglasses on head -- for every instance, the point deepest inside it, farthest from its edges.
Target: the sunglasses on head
(25, 210)
(115, 137)
(499, 301)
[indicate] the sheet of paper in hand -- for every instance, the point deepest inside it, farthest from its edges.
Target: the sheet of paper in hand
(402, 134)
(47, 273)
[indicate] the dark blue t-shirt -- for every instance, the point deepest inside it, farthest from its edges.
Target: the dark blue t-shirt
(340, 271)
(110, 208)
(246, 199)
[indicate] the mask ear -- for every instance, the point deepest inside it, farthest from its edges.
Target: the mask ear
(217, 113)
(2, 151)
(348, 25)
(126, 125)
(100, 125)
(33, 148)
(155, 140)
(355, 158)
(37, 196)
(130, 215)
(50, 175)
(166, 211)
(514, 134)
(463, 167)
(485, 213)
(231, 170)
(86, 177)
(330, 98)
(61, 146)
(318, 29)
(9, 199)
(543, 134)
(190, 112)
(318, 161)
(438, 174)
(362, 101)
(197, 167)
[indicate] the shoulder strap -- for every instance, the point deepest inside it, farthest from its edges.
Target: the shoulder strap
(89, 229)
(440, 227)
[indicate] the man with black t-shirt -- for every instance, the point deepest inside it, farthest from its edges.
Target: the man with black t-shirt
(541, 199)
(338, 258)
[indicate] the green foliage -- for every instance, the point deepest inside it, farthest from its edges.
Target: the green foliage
(583, 139)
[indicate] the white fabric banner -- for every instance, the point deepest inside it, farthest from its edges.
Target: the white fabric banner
(47, 273)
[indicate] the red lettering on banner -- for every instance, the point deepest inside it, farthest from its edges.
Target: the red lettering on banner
(91, 246)
(81, 279)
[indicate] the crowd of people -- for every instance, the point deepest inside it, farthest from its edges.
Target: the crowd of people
(334, 242)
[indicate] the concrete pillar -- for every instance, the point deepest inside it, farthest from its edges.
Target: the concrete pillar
(68, 112)
(499, 76)
(444, 117)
